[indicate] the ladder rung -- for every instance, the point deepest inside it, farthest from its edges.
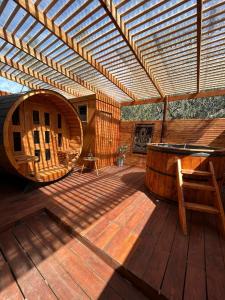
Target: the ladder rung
(194, 172)
(201, 207)
(197, 186)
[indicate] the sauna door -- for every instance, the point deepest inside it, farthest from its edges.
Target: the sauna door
(104, 138)
(40, 122)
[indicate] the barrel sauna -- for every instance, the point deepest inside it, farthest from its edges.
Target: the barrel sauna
(161, 169)
(40, 135)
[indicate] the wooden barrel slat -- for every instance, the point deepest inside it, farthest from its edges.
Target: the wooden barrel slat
(48, 104)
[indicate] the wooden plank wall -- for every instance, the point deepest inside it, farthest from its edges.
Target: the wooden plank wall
(193, 131)
(101, 131)
(107, 127)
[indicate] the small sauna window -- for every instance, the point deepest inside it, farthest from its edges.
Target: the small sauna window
(37, 153)
(60, 140)
(16, 116)
(47, 137)
(59, 117)
(47, 154)
(47, 119)
(36, 117)
(17, 141)
(82, 109)
(36, 137)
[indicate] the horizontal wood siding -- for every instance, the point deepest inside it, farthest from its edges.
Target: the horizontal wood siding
(204, 132)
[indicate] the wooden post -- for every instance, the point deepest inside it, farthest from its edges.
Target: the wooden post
(163, 130)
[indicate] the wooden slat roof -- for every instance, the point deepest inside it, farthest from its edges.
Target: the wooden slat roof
(129, 51)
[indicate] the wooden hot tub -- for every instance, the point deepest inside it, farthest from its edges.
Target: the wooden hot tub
(161, 168)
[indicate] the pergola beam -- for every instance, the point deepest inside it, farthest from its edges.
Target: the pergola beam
(187, 96)
(164, 121)
(199, 41)
(32, 9)
(111, 11)
(26, 70)
(21, 45)
(19, 80)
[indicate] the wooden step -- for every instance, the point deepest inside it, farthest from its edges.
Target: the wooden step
(201, 207)
(197, 186)
(194, 172)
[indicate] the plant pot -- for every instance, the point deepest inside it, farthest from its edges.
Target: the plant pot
(120, 161)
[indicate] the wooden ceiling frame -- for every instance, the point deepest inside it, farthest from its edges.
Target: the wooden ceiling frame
(178, 67)
(199, 41)
(162, 12)
(42, 77)
(182, 51)
(19, 80)
(169, 34)
(70, 29)
(186, 34)
(118, 54)
(130, 64)
(115, 46)
(167, 19)
(85, 28)
(111, 11)
(6, 36)
(190, 71)
(164, 58)
(96, 39)
(32, 10)
(68, 18)
(117, 59)
(123, 48)
(156, 52)
(162, 30)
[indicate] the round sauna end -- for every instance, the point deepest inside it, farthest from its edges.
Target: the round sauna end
(41, 135)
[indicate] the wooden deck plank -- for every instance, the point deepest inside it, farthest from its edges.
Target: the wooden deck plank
(29, 279)
(215, 271)
(139, 256)
(87, 280)
(106, 235)
(90, 205)
(156, 266)
(87, 274)
(126, 290)
(56, 276)
(8, 286)
(174, 278)
(195, 283)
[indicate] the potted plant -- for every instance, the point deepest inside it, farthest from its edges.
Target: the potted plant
(121, 155)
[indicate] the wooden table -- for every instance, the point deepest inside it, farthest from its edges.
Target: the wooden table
(88, 160)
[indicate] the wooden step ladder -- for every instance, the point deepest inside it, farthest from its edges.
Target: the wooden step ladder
(217, 208)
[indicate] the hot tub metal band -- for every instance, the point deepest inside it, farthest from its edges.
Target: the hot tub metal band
(174, 176)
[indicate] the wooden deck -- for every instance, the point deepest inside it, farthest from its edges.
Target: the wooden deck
(112, 218)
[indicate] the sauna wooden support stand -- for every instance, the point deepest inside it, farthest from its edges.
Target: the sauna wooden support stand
(217, 208)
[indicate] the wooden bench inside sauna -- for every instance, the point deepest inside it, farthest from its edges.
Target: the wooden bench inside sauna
(40, 135)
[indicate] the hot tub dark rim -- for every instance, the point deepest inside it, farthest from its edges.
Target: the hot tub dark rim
(177, 149)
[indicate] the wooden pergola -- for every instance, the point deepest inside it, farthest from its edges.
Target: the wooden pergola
(134, 52)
